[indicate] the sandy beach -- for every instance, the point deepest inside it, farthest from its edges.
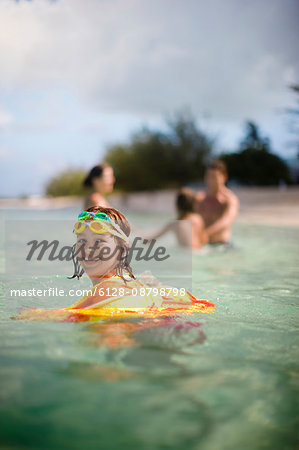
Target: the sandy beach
(269, 206)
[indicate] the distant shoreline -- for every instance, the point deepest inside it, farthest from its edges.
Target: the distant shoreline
(268, 206)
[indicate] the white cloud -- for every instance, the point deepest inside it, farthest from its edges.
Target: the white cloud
(229, 57)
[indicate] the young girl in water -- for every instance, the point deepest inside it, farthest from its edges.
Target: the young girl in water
(102, 251)
(189, 228)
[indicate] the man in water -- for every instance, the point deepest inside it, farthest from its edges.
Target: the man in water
(218, 206)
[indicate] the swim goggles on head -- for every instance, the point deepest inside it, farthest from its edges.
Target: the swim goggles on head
(99, 223)
(94, 216)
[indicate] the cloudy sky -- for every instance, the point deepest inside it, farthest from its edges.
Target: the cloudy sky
(76, 76)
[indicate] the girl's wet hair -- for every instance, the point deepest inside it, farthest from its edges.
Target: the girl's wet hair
(123, 265)
(95, 172)
(185, 200)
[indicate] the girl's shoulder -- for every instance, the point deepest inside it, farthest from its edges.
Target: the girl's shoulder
(193, 217)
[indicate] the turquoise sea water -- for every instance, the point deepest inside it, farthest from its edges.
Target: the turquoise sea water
(64, 386)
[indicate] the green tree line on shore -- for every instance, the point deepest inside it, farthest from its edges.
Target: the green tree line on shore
(160, 160)
(254, 164)
(178, 156)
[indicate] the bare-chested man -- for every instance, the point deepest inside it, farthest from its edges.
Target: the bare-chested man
(218, 206)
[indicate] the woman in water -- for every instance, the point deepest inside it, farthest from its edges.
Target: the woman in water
(102, 251)
(101, 181)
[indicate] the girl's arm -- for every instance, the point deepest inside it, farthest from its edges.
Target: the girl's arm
(155, 235)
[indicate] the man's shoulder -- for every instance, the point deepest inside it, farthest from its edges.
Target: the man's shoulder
(229, 193)
(230, 196)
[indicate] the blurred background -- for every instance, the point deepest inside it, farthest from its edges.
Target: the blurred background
(154, 88)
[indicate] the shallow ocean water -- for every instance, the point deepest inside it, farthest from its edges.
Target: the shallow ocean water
(75, 386)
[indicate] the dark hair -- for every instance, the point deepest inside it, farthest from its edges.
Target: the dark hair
(95, 172)
(124, 225)
(217, 164)
(185, 200)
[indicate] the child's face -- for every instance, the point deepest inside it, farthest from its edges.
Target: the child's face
(98, 254)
